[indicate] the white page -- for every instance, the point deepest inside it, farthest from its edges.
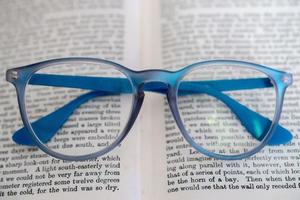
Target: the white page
(264, 32)
(33, 31)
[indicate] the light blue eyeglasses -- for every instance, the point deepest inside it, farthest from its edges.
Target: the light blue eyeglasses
(82, 108)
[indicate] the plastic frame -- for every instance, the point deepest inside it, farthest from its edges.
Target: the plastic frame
(140, 81)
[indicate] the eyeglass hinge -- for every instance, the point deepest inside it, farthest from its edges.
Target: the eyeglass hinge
(287, 78)
(11, 75)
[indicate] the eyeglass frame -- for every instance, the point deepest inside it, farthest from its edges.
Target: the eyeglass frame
(20, 77)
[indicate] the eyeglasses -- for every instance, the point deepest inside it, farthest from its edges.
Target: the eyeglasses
(82, 108)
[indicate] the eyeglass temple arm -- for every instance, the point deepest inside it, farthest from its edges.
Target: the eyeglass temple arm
(51, 123)
(46, 127)
(255, 123)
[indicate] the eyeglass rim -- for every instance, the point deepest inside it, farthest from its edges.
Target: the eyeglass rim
(28, 71)
(272, 74)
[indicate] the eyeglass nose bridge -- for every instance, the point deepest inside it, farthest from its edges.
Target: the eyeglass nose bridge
(155, 80)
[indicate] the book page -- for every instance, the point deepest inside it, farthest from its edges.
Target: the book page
(264, 32)
(33, 31)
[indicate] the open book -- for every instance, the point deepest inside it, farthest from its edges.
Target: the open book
(140, 35)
